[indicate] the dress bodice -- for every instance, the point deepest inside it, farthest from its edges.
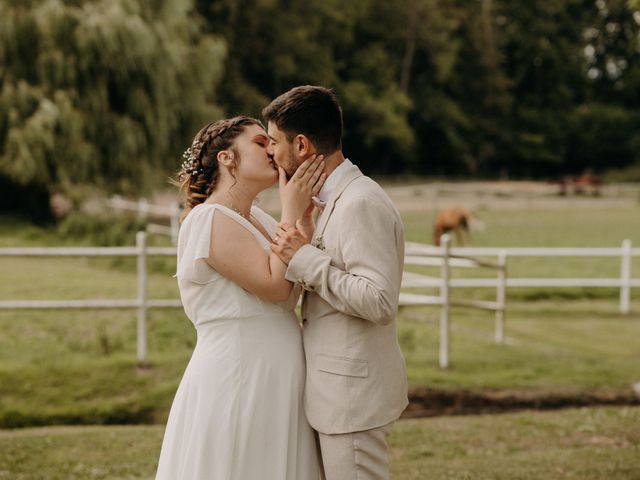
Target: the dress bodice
(206, 294)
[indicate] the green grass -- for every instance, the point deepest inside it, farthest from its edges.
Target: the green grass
(551, 346)
(80, 366)
(558, 227)
(569, 444)
(584, 444)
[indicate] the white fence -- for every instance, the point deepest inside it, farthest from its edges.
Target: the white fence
(416, 254)
(421, 255)
(466, 257)
(624, 281)
(142, 302)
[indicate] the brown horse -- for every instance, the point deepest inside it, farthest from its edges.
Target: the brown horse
(456, 220)
(586, 184)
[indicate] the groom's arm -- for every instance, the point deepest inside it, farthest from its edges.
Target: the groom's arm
(372, 247)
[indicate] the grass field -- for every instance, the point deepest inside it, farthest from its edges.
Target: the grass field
(79, 367)
(584, 444)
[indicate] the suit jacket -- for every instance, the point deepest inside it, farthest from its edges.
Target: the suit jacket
(351, 273)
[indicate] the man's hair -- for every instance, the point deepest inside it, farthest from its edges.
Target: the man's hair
(309, 110)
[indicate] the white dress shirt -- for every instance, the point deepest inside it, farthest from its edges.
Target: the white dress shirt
(330, 183)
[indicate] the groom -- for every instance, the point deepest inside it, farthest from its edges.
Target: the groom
(351, 271)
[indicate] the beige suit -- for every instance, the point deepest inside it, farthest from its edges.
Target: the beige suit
(356, 377)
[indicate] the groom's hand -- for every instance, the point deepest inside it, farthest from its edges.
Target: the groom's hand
(287, 241)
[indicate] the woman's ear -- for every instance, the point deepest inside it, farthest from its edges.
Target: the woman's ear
(225, 157)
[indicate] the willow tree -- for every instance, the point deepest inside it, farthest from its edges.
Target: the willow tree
(105, 92)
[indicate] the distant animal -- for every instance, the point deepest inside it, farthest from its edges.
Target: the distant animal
(457, 220)
(586, 184)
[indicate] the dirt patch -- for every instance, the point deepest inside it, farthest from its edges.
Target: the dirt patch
(429, 402)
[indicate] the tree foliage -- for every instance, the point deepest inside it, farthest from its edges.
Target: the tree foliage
(109, 91)
(101, 91)
(489, 87)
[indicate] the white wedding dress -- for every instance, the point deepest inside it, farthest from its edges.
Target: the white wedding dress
(238, 412)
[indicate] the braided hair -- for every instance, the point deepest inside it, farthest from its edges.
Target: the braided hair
(199, 172)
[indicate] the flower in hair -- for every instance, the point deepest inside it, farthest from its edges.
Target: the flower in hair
(189, 160)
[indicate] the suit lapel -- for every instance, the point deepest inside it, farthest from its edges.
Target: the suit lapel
(349, 176)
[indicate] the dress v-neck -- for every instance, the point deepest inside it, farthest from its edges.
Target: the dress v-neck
(246, 223)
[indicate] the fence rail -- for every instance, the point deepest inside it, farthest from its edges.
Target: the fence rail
(624, 282)
(142, 302)
(444, 257)
(421, 249)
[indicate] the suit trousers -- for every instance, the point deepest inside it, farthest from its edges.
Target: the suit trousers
(357, 455)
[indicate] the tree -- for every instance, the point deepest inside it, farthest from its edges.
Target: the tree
(110, 91)
(543, 51)
(104, 92)
(604, 132)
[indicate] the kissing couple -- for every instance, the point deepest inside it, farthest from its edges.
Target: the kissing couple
(267, 396)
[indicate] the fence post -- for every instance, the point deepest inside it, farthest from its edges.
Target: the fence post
(143, 208)
(174, 220)
(501, 296)
(444, 295)
(625, 277)
(141, 244)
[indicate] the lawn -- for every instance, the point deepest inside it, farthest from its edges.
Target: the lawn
(79, 367)
(553, 345)
(584, 444)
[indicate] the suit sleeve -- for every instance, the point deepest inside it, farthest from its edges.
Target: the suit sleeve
(372, 247)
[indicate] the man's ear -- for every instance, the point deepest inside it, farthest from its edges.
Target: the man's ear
(303, 146)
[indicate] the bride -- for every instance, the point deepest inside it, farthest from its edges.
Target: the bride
(238, 411)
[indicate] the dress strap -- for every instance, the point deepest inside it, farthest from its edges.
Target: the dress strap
(243, 221)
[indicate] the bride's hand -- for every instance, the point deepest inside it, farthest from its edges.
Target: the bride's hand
(305, 224)
(287, 241)
(296, 193)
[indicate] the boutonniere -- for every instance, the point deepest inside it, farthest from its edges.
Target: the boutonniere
(318, 242)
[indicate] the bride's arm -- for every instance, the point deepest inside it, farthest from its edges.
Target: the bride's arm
(237, 255)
